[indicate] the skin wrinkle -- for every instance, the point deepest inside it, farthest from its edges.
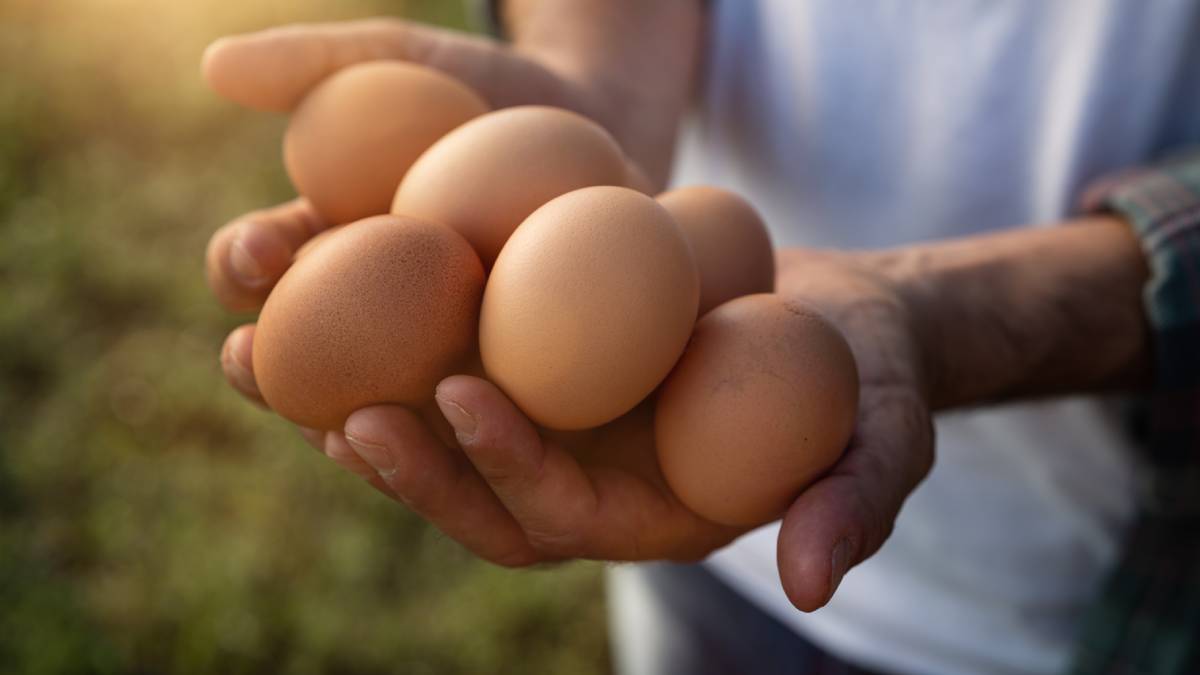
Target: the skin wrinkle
(458, 488)
(1027, 313)
(544, 536)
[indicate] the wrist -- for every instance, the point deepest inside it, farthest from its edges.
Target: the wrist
(1031, 312)
(907, 271)
(632, 62)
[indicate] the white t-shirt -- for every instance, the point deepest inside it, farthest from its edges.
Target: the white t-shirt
(880, 122)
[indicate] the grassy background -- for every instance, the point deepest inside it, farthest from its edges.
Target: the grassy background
(150, 521)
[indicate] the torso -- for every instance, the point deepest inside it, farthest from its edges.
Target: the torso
(884, 122)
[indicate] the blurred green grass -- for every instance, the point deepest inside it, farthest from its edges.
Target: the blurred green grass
(151, 521)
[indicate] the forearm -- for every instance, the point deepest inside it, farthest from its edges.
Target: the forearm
(640, 57)
(1028, 313)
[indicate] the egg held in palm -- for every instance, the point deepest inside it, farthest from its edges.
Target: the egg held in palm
(355, 135)
(485, 177)
(761, 404)
(379, 312)
(588, 306)
(729, 240)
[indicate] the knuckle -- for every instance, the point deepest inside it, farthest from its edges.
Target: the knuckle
(417, 495)
(347, 460)
(871, 524)
(565, 532)
(554, 539)
(428, 494)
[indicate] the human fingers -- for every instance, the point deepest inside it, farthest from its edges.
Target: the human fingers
(843, 519)
(273, 69)
(436, 482)
(246, 257)
(615, 509)
(237, 365)
(545, 488)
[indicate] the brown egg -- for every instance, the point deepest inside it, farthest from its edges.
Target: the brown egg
(762, 402)
(379, 312)
(488, 175)
(316, 240)
(728, 238)
(355, 135)
(588, 306)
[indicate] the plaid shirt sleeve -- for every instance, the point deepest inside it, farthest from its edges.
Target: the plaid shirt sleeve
(1147, 619)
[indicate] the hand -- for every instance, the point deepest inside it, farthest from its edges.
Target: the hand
(273, 69)
(517, 495)
(844, 517)
(511, 493)
(937, 325)
(512, 497)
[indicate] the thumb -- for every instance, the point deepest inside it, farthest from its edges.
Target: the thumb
(273, 69)
(844, 518)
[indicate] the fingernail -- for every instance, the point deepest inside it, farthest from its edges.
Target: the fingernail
(238, 371)
(840, 560)
(374, 454)
(247, 270)
(463, 422)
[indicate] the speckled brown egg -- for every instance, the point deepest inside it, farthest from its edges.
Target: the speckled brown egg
(588, 306)
(379, 312)
(729, 240)
(352, 139)
(488, 175)
(316, 240)
(761, 404)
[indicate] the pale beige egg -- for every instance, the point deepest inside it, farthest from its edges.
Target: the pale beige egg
(355, 135)
(316, 240)
(588, 307)
(729, 240)
(485, 177)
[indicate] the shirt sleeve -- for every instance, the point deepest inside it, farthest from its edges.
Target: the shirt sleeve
(1147, 616)
(1163, 205)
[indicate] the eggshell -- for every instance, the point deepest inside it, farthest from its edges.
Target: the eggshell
(485, 177)
(762, 402)
(351, 140)
(729, 240)
(317, 239)
(588, 306)
(379, 312)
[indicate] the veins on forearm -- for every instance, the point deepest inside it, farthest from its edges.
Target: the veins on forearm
(1029, 313)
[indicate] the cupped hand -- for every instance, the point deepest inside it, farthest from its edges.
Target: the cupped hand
(479, 470)
(843, 518)
(512, 493)
(272, 70)
(517, 495)
(507, 491)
